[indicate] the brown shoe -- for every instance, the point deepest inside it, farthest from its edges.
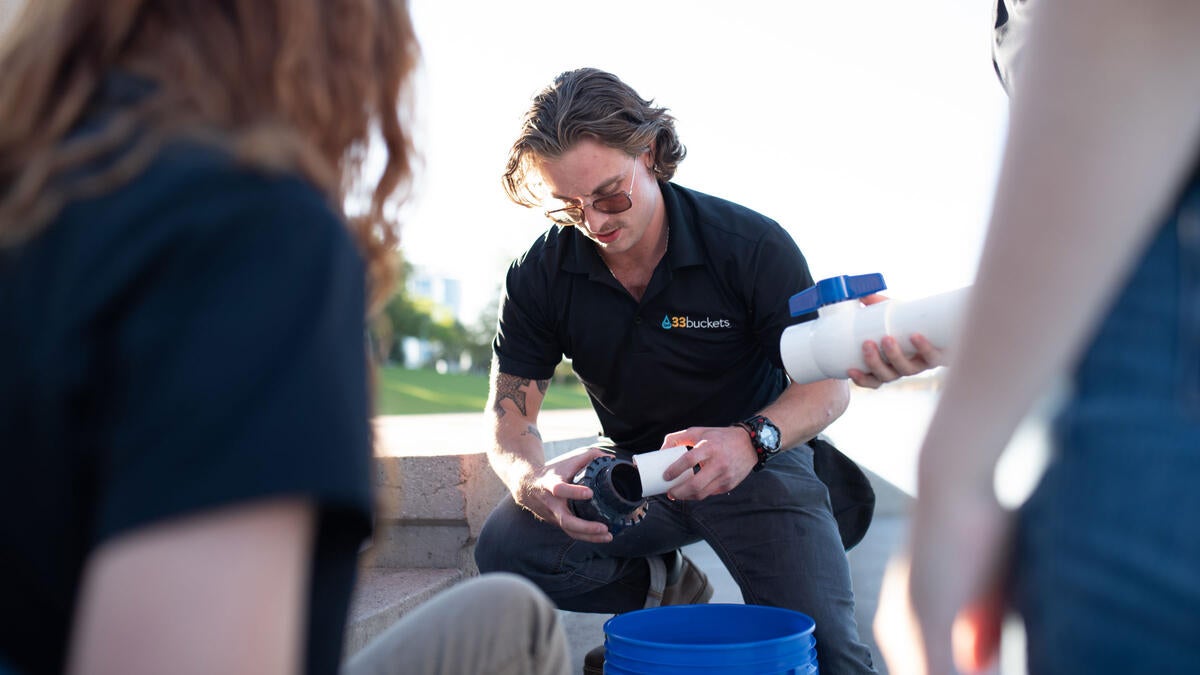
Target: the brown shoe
(686, 583)
(593, 662)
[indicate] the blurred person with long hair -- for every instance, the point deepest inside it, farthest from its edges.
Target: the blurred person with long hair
(1092, 269)
(184, 404)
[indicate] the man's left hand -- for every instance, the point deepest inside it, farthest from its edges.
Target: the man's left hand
(724, 454)
(887, 362)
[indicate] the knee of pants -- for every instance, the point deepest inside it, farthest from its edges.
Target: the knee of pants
(496, 550)
(488, 556)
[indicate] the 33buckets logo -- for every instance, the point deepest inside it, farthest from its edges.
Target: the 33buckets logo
(670, 322)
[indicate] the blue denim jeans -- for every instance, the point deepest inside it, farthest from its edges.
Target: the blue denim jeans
(1107, 562)
(774, 532)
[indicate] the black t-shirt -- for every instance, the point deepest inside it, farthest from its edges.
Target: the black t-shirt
(702, 346)
(193, 340)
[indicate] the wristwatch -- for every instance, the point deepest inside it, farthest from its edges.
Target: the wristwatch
(764, 436)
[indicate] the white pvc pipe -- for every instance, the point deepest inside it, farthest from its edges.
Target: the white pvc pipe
(652, 465)
(831, 344)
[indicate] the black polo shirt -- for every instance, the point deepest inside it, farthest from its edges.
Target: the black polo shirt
(702, 346)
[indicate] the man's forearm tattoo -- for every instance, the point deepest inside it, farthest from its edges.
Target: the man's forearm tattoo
(510, 388)
(533, 431)
(513, 389)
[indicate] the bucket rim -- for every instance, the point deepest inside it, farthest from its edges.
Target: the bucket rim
(806, 633)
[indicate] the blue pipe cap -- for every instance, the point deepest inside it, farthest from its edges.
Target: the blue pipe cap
(835, 289)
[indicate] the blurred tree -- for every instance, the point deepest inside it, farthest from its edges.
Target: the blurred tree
(405, 316)
(481, 333)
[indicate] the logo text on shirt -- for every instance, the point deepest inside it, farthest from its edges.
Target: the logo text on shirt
(670, 322)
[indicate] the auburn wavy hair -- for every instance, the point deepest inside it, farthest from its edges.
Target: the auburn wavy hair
(299, 85)
(593, 104)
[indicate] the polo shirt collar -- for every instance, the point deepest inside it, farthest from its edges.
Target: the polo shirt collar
(683, 247)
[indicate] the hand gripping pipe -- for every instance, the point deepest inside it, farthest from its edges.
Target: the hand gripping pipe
(831, 344)
(620, 486)
(824, 348)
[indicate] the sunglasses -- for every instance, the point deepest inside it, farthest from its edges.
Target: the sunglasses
(617, 202)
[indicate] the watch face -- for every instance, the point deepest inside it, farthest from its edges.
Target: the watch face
(768, 435)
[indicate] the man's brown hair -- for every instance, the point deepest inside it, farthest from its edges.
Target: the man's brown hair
(589, 104)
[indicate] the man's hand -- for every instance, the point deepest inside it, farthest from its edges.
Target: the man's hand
(545, 491)
(724, 454)
(887, 362)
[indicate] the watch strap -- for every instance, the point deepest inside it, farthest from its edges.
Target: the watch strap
(753, 427)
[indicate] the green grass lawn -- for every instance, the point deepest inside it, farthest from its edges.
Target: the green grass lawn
(413, 392)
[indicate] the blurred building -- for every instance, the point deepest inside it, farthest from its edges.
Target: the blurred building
(445, 294)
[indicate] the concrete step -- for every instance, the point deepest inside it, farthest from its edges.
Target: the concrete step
(383, 595)
(433, 498)
(434, 490)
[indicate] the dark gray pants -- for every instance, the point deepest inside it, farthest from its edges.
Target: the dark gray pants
(774, 532)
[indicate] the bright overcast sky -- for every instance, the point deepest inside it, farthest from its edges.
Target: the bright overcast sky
(870, 129)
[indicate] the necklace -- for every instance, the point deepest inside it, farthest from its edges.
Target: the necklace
(637, 280)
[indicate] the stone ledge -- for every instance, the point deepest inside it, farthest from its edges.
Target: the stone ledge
(436, 490)
(431, 504)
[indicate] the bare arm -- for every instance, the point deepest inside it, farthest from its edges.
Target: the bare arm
(1103, 129)
(518, 457)
(726, 455)
(222, 592)
(804, 410)
(512, 408)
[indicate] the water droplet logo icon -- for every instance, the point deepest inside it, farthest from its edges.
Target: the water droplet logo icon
(666, 322)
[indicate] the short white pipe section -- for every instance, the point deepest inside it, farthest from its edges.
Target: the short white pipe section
(652, 465)
(831, 344)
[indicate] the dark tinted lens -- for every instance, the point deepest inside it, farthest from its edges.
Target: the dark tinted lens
(613, 203)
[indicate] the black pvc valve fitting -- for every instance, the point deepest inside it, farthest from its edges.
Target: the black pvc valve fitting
(617, 499)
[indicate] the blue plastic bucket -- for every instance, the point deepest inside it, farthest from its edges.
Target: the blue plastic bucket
(731, 639)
